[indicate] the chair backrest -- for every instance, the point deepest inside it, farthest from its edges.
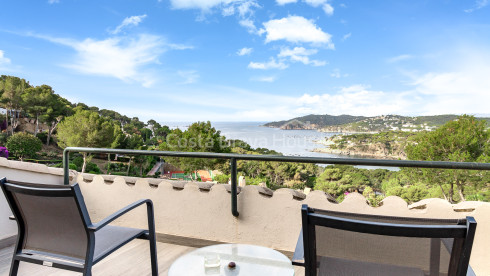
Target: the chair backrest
(52, 218)
(434, 246)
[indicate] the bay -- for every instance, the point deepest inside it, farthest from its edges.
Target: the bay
(287, 142)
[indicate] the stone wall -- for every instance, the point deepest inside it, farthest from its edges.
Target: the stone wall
(272, 219)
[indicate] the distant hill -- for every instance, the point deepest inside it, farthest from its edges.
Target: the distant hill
(315, 121)
(437, 120)
(348, 123)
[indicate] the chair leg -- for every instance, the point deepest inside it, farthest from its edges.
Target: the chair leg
(87, 271)
(153, 255)
(152, 239)
(14, 268)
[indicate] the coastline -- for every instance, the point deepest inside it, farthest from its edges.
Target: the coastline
(347, 152)
(371, 151)
(323, 130)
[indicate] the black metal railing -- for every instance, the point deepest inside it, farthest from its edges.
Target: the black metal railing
(276, 158)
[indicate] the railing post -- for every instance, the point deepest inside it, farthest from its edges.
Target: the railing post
(233, 172)
(66, 167)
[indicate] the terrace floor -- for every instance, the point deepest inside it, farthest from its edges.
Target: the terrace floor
(131, 259)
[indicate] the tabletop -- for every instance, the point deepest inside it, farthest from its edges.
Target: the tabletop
(249, 260)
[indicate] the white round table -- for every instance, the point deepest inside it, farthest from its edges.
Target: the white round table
(249, 260)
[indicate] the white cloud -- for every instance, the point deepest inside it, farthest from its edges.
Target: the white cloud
(464, 90)
(3, 60)
(125, 58)
(174, 46)
(336, 74)
(244, 9)
(456, 92)
(116, 57)
(284, 2)
(478, 5)
(228, 7)
(297, 51)
(244, 51)
(265, 78)
(355, 100)
(346, 36)
(271, 64)
(315, 3)
(129, 21)
(196, 4)
(53, 1)
(328, 9)
(189, 77)
(228, 11)
(300, 54)
(296, 29)
(399, 58)
(288, 55)
(249, 25)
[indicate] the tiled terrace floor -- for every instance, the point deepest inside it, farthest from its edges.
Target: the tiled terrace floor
(132, 260)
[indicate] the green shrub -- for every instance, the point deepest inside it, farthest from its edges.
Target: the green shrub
(24, 145)
(93, 168)
(119, 173)
(43, 136)
(3, 138)
(116, 167)
(256, 180)
(52, 154)
(310, 182)
(90, 167)
(295, 184)
(371, 196)
(222, 178)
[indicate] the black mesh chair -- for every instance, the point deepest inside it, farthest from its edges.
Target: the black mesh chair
(55, 228)
(338, 243)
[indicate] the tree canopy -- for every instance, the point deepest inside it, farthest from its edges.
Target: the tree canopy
(199, 137)
(86, 129)
(11, 90)
(24, 145)
(463, 140)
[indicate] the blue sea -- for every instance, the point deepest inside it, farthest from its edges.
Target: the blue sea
(287, 142)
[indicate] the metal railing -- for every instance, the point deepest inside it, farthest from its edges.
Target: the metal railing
(275, 158)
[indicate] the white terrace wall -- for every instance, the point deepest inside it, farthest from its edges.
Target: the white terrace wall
(268, 219)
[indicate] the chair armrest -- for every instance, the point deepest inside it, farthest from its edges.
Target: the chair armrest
(299, 252)
(11, 218)
(114, 216)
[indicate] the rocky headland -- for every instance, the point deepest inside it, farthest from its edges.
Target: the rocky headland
(365, 145)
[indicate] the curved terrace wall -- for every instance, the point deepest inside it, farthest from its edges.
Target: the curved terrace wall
(202, 210)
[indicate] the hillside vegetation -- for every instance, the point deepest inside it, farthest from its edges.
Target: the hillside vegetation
(388, 144)
(36, 115)
(361, 124)
(315, 121)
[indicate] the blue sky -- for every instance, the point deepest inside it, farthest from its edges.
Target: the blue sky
(252, 60)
